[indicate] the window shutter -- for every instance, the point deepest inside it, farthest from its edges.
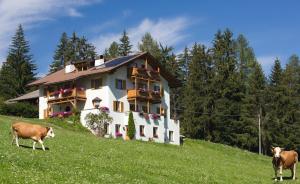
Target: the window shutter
(116, 83)
(162, 91)
(124, 84)
(115, 105)
(92, 83)
(101, 82)
(122, 106)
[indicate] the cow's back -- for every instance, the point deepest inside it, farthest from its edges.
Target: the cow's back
(26, 130)
(289, 158)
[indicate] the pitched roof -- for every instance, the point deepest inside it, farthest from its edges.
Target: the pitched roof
(27, 96)
(61, 76)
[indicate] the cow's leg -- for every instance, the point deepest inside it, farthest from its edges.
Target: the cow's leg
(294, 171)
(13, 139)
(280, 173)
(275, 169)
(33, 146)
(17, 141)
(41, 142)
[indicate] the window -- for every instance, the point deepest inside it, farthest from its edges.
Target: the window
(131, 107)
(142, 85)
(142, 128)
(117, 128)
(171, 137)
(118, 106)
(120, 84)
(156, 88)
(106, 128)
(155, 132)
(157, 110)
(96, 83)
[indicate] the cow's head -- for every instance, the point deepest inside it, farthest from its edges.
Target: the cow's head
(50, 132)
(276, 151)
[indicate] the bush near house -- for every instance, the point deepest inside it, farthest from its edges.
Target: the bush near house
(131, 126)
(96, 122)
(21, 109)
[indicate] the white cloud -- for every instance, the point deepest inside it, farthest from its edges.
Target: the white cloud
(166, 31)
(74, 13)
(30, 12)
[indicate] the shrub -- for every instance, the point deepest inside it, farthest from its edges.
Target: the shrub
(96, 122)
(22, 109)
(131, 126)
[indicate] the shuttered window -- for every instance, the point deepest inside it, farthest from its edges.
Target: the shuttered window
(118, 106)
(96, 83)
(120, 84)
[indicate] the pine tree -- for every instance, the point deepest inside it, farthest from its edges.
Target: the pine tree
(131, 126)
(252, 107)
(113, 50)
(228, 92)
(184, 60)
(19, 69)
(276, 105)
(72, 49)
(124, 46)
(148, 44)
(246, 59)
(60, 54)
(197, 97)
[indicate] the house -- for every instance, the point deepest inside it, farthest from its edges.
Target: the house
(31, 97)
(136, 83)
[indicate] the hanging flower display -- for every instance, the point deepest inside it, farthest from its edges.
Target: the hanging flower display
(104, 109)
(155, 116)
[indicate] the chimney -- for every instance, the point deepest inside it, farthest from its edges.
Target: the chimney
(99, 61)
(69, 67)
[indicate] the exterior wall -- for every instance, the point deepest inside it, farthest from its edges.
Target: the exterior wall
(42, 103)
(108, 93)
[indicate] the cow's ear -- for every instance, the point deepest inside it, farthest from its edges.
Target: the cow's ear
(48, 128)
(272, 149)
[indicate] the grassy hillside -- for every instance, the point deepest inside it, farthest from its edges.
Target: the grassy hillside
(78, 157)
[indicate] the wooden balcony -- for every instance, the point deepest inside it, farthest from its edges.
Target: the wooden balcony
(142, 73)
(155, 96)
(152, 96)
(66, 95)
(154, 75)
(138, 72)
(136, 93)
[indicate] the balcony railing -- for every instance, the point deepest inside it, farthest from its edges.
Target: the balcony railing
(143, 73)
(66, 93)
(154, 96)
(138, 72)
(137, 93)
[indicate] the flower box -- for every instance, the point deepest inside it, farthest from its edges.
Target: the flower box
(65, 91)
(142, 90)
(104, 109)
(155, 116)
(118, 134)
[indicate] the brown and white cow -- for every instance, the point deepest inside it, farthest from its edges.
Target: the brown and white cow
(31, 131)
(284, 160)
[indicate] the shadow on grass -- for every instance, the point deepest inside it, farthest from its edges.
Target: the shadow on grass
(285, 178)
(30, 147)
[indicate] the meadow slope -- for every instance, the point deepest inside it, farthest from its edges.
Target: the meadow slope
(79, 157)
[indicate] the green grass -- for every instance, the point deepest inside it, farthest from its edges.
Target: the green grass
(79, 157)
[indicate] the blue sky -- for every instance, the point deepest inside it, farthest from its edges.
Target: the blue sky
(272, 27)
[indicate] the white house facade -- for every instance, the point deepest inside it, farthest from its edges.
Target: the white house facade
(134, 83)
